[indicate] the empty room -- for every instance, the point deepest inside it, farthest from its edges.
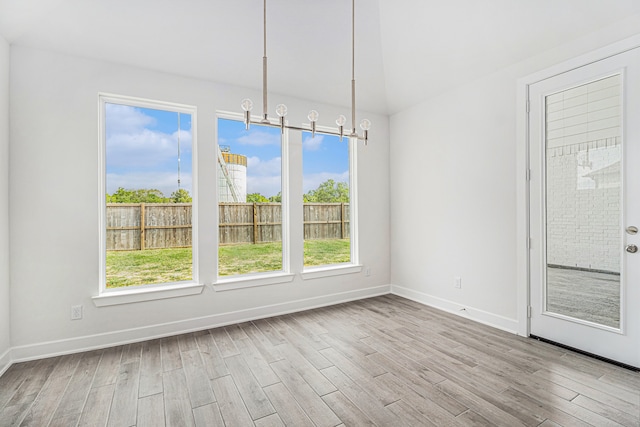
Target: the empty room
(319, 213)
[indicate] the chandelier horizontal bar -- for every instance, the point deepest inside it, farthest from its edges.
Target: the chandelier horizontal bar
(323, 131)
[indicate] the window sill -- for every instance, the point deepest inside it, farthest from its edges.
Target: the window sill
(143, 294)
(252, 280)
(328, 271)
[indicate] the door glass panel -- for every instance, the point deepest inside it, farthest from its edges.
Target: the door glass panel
(583, 150)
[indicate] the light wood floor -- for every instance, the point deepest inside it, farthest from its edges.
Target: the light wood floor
(384, 361)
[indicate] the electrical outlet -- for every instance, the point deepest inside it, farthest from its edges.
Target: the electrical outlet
(367, 271)
(457, 282)
(76, 312)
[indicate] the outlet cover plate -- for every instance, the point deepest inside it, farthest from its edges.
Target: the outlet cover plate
(76, 312)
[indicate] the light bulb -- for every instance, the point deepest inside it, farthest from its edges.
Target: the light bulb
(365, 124)
(281, 110)
(246, 104)
(341, 120)
(313, 116)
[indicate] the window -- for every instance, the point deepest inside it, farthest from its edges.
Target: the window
(250, 183)
(327, 195)
(148, 220)
(147, 189)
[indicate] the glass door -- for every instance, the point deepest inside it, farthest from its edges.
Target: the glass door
(584, 274)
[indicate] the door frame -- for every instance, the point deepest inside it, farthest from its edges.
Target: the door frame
(523, 237)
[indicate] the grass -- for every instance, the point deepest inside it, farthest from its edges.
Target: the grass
(249, 258)
(131, 268)
(323, 252)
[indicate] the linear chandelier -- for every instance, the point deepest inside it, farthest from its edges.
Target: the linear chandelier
(281, 109)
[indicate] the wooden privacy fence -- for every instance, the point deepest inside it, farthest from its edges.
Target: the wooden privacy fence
(139, 226)
(326, 221)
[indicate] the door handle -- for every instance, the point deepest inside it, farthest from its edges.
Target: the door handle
(632, 249)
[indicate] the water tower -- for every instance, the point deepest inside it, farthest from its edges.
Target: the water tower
(232, 176)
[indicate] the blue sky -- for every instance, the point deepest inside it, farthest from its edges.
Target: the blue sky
(142, 152)
(324, 157)
(142, 149)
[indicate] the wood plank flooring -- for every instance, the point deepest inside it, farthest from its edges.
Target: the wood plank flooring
(384, 361)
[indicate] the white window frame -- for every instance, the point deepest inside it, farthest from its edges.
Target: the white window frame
(240, 281)
(354, 266)
(107, 297)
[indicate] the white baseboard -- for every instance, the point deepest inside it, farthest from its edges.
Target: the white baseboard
(480, 316)
(126, 336)
(5, 361)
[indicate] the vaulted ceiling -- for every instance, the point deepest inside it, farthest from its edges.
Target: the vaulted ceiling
(406, 50)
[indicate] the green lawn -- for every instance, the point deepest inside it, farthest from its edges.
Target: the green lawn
(323, 252)
(130, 268)
(249, 258)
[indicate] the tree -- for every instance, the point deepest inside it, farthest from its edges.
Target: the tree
(256, 198)
(181, 196)
(329, 192)
(143, 195)
(277, 198)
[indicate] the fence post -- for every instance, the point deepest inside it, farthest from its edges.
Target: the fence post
(255, 223)
(142, 226)
(343, 231)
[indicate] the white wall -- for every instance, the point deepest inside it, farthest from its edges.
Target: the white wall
(453, 200)
(5, 337)
(54, 208)
(454, 190)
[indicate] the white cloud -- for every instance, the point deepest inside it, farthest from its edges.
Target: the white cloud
(146, 148)
(126, 119)
(264, 176)
(130, 142)
(259, 167)
(260, 138)
(312, 144)
(185, 137)
(312, 181)
(267, 186)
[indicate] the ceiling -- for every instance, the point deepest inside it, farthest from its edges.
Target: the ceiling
(406, 50)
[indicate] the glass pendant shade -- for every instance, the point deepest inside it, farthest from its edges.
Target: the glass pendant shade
(281, 110)
(246, 104)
